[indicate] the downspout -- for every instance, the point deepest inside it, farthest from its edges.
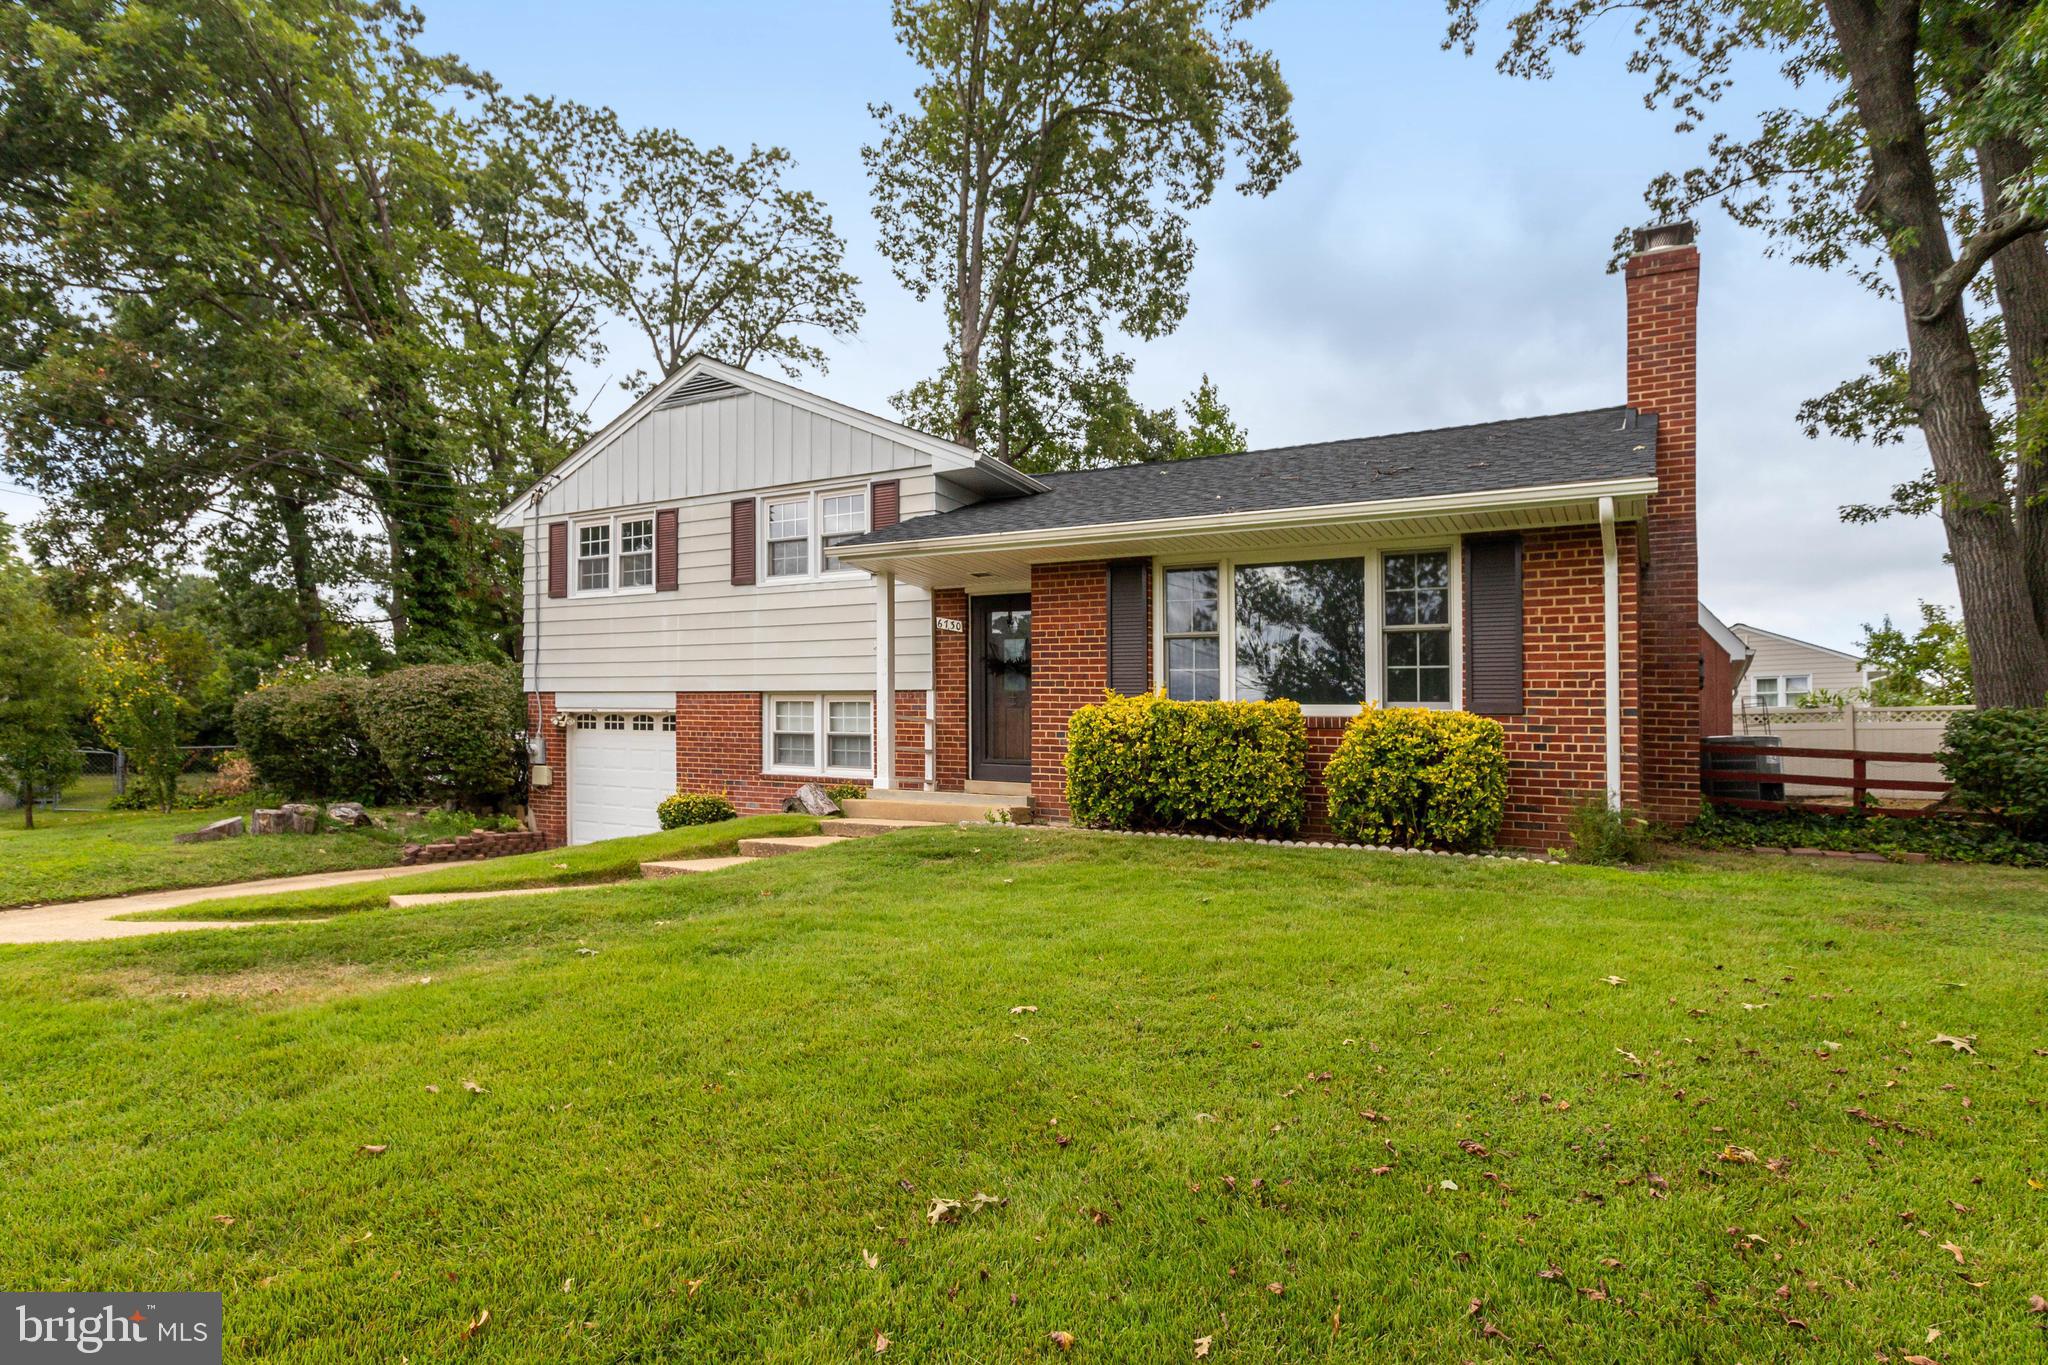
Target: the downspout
(1610, 634)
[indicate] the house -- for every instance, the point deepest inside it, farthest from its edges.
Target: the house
(741, 586)
(1724, 662)
(1784, 669)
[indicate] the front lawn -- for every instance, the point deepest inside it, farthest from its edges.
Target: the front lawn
(1292, 1104)
(82, 855)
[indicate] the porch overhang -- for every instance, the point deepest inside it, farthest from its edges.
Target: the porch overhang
(942, 561)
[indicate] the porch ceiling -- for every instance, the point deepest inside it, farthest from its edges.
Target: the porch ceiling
(951, 563)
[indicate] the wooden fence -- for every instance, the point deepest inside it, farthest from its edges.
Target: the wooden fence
(1857, 781)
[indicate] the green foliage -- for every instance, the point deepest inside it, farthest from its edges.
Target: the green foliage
(1041, 186)
(694, 808)
(1929, 668)
(842, 792)
(308, 740)
(1948, 840)
(140, 684)
(1601, 834)
(445, 731)
(1149, 763)
(41, 672)
(1415, 778)
(1998, 760)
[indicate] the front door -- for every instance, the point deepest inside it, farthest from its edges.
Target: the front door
(999, 663)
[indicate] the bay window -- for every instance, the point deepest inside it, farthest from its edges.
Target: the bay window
(811, 736)
(1328, 632)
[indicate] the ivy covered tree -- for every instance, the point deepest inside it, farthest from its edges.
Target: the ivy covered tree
(1916, 161)
(1040, 187)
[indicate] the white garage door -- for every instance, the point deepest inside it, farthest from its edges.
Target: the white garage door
(621, 766)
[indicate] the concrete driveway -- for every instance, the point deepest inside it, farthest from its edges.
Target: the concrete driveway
(78, 921)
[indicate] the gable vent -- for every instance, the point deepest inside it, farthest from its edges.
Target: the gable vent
(700, 389)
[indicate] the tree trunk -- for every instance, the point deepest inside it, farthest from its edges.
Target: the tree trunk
(2019, 275)
(28, 804)
(2009, 654)
(298, 542)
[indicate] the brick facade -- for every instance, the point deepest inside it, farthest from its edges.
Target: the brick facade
(1069, 668)
(1663, 313)
(719, 749)
(549, 806)
(949, 681)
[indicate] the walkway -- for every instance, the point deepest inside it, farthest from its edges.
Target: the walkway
(77, 921)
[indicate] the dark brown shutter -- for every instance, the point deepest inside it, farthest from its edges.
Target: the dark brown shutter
(885, 503)
(665, 550)
(558, 559)
(1130, 627)
(1493, 626)
(743, 551)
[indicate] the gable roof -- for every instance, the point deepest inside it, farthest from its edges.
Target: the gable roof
(1795, 640)
(700, 379)
(1523, 453)
(1736, 648)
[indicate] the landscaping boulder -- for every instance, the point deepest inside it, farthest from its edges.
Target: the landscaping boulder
(810, 798)
(305, 819)
(288, 819)
(350, 815)
(219, 829)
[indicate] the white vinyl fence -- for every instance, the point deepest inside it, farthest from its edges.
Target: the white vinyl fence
(1869, 729)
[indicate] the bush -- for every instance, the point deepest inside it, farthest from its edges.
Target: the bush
(1413, 777)
(445, 731)
(842, 792)
(694, 808)
(307, 739)
(1998, 759)
(1602, 834)
(1238, 767)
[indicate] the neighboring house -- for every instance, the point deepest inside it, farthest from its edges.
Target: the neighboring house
(1724, 662)
(1783, 669)
(724, 580)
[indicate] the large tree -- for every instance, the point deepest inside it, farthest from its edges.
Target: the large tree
(1040, 187)
(41, 675)
(1916, 158)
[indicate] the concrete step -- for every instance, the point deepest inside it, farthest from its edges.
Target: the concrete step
(1020, 792)
(774, 848)
(683, 867)
(948, 808)
(865, 829)
(407, 901)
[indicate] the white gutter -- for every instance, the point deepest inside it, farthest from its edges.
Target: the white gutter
(1610, 604)
(1322, 514)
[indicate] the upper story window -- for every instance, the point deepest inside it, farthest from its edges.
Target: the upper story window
(594, 557)
(636, 552)
(1783, 690)
(800, 531)
(1416, 598)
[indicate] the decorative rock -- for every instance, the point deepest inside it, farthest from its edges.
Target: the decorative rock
(810, 798)
(349, 815)
(269, 822)
(219, 829)
(304, 819)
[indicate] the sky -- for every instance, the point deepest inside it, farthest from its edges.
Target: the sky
(1439, 258)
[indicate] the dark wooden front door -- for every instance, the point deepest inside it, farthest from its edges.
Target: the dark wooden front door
(1000, 664)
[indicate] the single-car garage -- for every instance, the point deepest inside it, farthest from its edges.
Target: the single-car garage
(622, 764)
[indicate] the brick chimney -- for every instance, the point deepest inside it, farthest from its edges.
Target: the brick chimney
(1663, 378)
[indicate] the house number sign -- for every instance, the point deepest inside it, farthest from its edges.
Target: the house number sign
(951, 625)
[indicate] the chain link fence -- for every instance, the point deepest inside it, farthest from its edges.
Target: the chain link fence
(104, 775)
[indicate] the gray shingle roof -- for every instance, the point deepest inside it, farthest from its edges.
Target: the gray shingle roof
(1527, 452)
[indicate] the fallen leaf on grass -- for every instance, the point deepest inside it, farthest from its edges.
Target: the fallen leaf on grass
(1276, 1289)
(881, 1342)
(941, 1211)
(1099, 1218)
(1202, 1345)
(1615, 980)
(1964, 1044)
(1921, 1360)
(433, 1090)
(1475, 1308)
(476, 1324)
(1487, 1329)
(1932, 1334)
(472, 1087)
(694, 1286)
(1471, 1148)
(1450, 1185)
(372, 1149)
(1023, 1009)
(1952, 1249)
(226, 1220)
(1382, 1170)
(2036, 1304)
(1550, 1272)
(874, 1261)
(1063, 1340)
(1737, 1156)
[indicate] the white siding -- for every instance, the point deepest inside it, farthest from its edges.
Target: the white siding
(709, 636)
(1777, 656)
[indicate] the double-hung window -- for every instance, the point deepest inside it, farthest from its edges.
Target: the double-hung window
(1326, 632)
(1416, 602)
(1783, 690)
(801, 531)
(594, 557)
(636, 552)
(813, 735)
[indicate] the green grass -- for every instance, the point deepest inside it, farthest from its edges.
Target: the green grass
(81, 855)
(704, 1099)
(608, 861)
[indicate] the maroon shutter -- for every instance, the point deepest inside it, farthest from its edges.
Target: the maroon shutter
(743, 551)
(1130, 627)
(885, 503)
(558, 559)
(665, 550)
(1493, 625)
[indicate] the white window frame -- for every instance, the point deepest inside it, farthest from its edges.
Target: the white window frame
(614, 556)
(814, 533)
(821, 734)
(1781, 693)
(1449, 627)
(1375, 613)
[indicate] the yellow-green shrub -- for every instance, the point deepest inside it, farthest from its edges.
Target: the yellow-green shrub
(1145, 762)
(1403, 775)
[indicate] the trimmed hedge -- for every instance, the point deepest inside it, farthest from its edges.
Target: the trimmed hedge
(693, 808)
(1998, 759)
(445, 731)
(1419, 778)
(307, 739)
(1148, 763)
